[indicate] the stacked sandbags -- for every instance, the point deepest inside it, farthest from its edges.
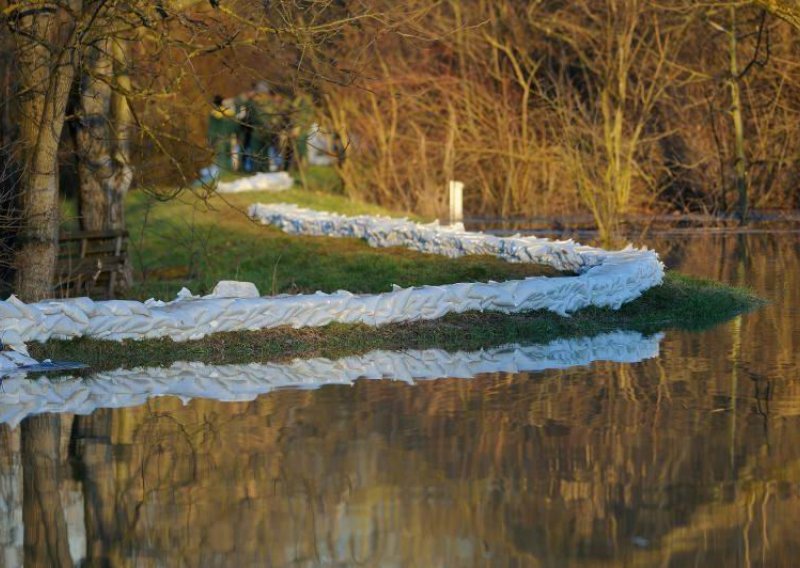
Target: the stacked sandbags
(189, 317)
(451, 241)
(21, 397)
(604, 279)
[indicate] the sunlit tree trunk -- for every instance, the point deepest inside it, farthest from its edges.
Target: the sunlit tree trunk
(122, 120)
(45, 75)
(102, 137)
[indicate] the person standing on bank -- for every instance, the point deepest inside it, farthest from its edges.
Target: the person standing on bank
(222, 128)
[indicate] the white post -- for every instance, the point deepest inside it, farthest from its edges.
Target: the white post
(456, 202)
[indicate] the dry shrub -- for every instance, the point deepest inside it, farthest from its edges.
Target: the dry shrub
(452, 110)
(608, 107)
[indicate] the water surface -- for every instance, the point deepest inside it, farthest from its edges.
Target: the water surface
(691, 457)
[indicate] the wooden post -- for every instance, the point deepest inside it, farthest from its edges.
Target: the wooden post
(456, 202)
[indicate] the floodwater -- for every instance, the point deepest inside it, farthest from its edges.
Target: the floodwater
(681, 449)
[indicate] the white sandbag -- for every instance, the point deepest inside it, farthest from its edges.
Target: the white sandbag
(24, 309)
(11, 361)
(234, 289)
(9, 310)
(265, 181)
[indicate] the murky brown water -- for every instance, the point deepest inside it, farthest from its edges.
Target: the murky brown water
(691, 458)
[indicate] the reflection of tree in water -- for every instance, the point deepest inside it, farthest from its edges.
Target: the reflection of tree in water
(668, 461)
(91, 453)
(46, 539)
(170, 461)
(11, 530)
(381, 470)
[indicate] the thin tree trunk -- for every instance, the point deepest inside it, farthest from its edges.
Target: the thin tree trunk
(93, 137)
(102, 138)
(122, 119)
(45, 76)
(740, 165)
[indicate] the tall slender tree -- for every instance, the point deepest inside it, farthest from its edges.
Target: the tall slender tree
(45, 35)
(102, 137)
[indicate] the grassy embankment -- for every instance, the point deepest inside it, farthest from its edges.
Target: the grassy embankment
(194, 243)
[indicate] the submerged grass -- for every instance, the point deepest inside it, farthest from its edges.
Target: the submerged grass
(196, 242)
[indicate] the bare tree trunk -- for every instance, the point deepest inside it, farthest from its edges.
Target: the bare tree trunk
(122, 119)
(102, 138)
(93, 139)
(740, 164)
(45, 74)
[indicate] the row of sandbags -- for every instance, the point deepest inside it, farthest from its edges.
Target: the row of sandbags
(604, 279)
(452, 240)
(22, 397)
(11, 361)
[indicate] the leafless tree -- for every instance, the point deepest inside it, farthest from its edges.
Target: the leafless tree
(130, 62)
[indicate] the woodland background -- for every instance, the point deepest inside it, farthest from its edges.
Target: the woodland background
(601, 107)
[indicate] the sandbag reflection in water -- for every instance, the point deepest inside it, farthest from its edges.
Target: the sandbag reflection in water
(68, 520)
(21, 397)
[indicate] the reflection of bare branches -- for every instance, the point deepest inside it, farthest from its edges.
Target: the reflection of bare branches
(160, 442)
(163, 441)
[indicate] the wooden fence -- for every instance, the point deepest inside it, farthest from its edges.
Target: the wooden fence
(92, 263)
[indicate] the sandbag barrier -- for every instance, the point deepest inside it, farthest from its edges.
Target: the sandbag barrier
(604, 279)
(452, 241)
(21, 397)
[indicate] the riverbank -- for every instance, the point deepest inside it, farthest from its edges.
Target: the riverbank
(194, 243)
